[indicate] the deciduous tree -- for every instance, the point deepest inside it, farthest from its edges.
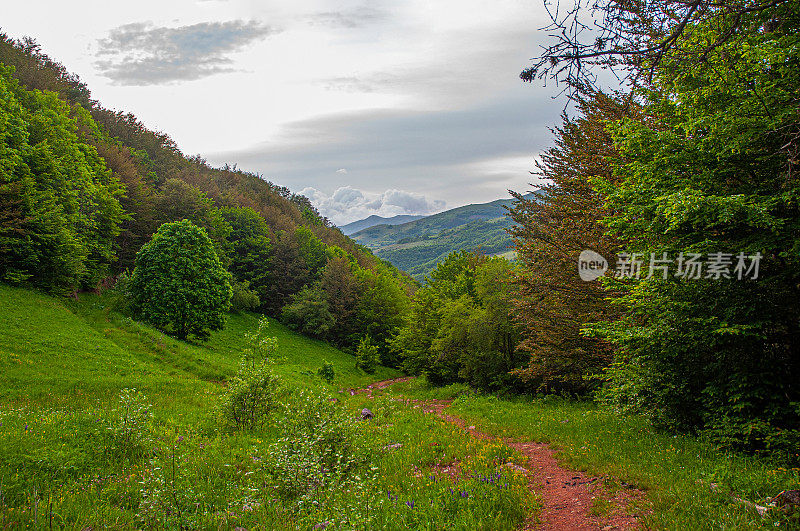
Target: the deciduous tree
(179, 284)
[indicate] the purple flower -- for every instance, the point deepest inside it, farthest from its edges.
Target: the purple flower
(410, 504)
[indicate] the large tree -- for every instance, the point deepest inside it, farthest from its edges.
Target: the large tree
(460, 326)
(553, 226)
(179, 284)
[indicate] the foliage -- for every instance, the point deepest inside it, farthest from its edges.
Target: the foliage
(367, 357)
(326, 372)
(250, 249)
(317, 446)
(61, 211)
(102, 183)
(552, 228)
(225, 479)
(253, 393)
(460, 327)
(243, 298)
(711, 171)
(178, 283)
(309, 313)
(383, 308)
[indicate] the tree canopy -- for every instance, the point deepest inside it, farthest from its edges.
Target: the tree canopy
(179, 283)
(694, 166)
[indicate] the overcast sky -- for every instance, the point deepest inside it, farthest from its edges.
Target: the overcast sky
(396, 107)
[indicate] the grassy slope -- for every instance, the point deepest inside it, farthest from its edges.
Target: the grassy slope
(52, 350)
(677, 471)
(63, 364)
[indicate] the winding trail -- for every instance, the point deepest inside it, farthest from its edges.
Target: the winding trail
(570, 499)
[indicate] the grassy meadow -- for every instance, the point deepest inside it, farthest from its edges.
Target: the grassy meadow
(105, 422)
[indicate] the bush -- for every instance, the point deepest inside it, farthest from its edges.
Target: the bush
(367, 355)
(255, 390)
(244, 299)
(326, 372)
(252, 395)
(318, 447)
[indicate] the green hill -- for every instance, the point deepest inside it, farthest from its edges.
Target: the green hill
(105, 422)
(54, 350)
(416, 247)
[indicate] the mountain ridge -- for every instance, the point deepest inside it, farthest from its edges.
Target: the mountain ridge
(417, 246)
(371, 221)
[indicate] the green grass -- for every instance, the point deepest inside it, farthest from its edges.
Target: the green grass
(677, 471)
(74, 455)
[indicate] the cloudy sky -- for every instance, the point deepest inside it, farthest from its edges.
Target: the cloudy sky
(378, 107)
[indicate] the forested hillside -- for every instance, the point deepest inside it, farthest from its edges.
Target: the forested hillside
(416, 247)
(84, 188)
(686, 181)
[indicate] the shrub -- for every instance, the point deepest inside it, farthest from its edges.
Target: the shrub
(252, 395)
(367, 355)
(255, 390)
(243, 299)
(318, 447)
(326, 372)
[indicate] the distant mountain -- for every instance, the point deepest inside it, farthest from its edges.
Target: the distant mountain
(417, 246)
(371, 221)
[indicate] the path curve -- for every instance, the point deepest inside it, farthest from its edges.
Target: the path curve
(568, 497)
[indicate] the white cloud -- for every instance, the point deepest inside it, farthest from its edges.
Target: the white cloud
(341, 170)
(348, 204)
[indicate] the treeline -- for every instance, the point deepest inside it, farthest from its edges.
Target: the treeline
(688, 184)
(83, 188)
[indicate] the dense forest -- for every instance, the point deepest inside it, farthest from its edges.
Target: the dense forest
(686, 181)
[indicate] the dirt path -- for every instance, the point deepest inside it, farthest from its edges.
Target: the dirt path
(571, 500)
